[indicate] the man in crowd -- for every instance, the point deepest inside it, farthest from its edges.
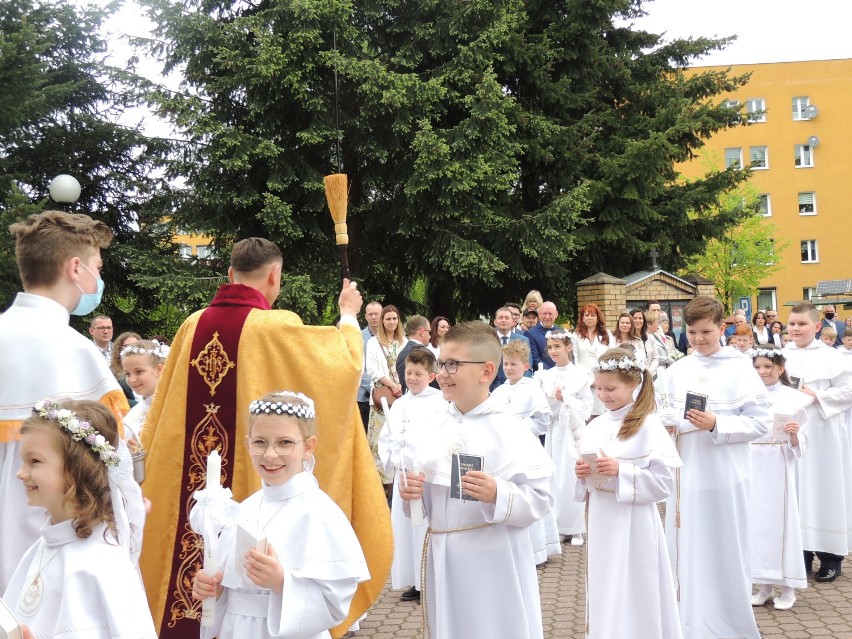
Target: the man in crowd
(515, 310)
(372, 313)
(418, 332)
(101, 331)
(547, 315)
(828, 320)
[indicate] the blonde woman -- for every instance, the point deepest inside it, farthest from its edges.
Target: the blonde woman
(382, 351)
(532, 301)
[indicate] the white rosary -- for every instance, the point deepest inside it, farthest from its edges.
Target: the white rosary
(33, 595)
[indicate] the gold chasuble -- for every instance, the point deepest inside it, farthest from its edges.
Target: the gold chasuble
(222, 358)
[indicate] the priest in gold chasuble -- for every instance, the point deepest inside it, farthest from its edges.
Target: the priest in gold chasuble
(222, 358)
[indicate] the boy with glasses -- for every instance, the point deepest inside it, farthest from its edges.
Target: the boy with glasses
(479, 577)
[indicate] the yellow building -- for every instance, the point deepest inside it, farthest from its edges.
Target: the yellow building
(192, 245)
(800, 141)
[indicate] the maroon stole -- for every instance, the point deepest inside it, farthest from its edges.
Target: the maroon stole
(211, 417)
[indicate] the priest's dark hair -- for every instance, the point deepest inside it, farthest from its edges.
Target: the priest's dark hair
(645, 404)
(253, 253)
(87, 492)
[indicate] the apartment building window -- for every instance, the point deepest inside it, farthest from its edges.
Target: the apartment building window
(766, 298)
(734, 157)
(731, 104)
(756, 109)
(759, 157)
(808, 293)
(204, 252)
(807, 203)
(800, 105)
(185, 251)
(764, 205)
(804, 156)
(810, 252)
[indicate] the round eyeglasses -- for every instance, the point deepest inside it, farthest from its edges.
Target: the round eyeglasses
(258, 447)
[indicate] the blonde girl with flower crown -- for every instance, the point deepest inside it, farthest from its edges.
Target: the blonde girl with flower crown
(303, 584)
(143, 363)
(77, 580)
(627, 464)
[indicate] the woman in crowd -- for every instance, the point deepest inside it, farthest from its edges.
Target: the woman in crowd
(776, 329)
(656, 351)
(625, 333)
(440, 326)
(382, 351)
(762, 334)
(671, 339)
(593, 340)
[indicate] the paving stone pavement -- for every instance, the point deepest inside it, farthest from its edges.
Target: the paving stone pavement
(822, 610)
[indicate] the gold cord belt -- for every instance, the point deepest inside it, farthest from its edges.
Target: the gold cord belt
(424, 557)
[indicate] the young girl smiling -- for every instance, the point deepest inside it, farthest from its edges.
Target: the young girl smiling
(629, 579)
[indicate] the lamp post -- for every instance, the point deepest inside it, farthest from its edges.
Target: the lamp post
(64, 190)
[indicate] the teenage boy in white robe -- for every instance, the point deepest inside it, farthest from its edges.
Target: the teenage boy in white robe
(409, 419)
(480, 578)
(707, 515)
(825, 473)
(527, 400)
(59, 262)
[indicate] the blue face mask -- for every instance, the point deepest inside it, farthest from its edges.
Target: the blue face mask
(89, 301)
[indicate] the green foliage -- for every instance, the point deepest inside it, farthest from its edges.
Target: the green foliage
(745, 254)
(492, 146)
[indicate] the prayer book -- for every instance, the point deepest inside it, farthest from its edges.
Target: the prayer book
(778, 424)
(462, 463)
(797, 382)
(696, 401)
(9, 626)
(591, 459)
(248, 537)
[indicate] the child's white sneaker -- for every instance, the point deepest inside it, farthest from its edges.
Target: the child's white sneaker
(577, 540)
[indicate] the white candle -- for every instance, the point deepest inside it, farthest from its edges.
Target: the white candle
(214, 469)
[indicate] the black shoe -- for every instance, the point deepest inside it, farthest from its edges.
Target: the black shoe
(809, 564)
(412, 594)
(827, 574)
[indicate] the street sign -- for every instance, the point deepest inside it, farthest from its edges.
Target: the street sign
(745, 304)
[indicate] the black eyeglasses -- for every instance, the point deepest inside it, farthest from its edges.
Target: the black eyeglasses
(451, 365)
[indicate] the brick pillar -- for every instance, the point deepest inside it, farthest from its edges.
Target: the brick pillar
(608, 292)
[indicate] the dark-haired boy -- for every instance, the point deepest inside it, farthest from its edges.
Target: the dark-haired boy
(480, 575)
(707, 516)
(825, 473)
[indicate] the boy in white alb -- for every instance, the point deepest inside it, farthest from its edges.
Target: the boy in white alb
(707, 515)
(825, 473)
(480, 578)
(408, 420)
(59, 261)
(527, 400)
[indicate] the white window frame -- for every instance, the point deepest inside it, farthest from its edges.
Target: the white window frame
(751, 151)
(766, 207)
(808, 293)
(803, 153)
(754, 107)
(185, 251)
(731, 103)
(773, 294)
(203, 251)
(800, 107)
(813, 202)
(812, 247)
(739, 163)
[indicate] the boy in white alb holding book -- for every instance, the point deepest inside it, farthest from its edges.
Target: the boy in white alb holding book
(409, 418)
(527, 400)
(480, 578)
(707, 515)
(825, 473)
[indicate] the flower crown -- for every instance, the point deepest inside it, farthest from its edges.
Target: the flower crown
(624, 363)
(768, 353)
(559, 333)
(160, 351)
(263, 407)
(80, 431)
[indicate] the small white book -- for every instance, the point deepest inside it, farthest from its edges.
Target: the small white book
(248, 536)
(778, 423)
(9, 626)
(591, 458)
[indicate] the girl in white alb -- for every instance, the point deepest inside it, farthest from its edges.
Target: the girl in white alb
(303, 584)
(776, 536)
(77, 580)
(630, 590)
(570, 398)
(143, 363)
